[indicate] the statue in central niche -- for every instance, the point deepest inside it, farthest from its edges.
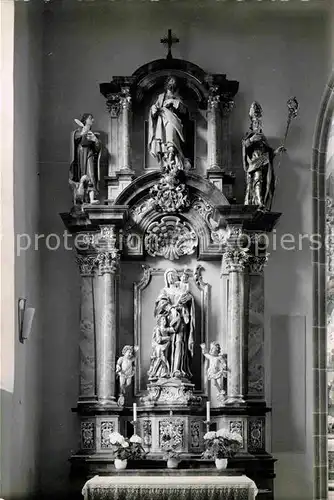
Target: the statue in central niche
(166, 127)
(173, 337)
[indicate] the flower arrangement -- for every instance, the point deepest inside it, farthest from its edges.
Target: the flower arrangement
(221, 444)
(125, 449)
(330, 423)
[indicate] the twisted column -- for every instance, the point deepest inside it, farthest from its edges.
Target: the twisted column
(87, 385)
(235, 260)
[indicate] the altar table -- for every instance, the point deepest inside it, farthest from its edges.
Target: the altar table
(170, 487)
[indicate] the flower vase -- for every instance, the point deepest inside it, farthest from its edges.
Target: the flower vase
(120, 464)
(172, 463)
(221, 463)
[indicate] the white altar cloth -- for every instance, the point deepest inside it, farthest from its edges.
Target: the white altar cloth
(169, 487)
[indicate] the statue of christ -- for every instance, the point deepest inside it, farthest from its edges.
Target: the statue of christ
(166, 134)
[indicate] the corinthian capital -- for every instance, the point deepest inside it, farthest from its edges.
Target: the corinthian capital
(257, 263)
(107, 262)
(236, 259)
(86, 264)
(113, 105)
(213, 98)
(125, 98)
(227, 107)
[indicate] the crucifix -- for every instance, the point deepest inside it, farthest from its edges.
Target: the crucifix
(169, 40)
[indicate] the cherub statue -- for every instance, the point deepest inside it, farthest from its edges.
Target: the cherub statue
(125, 370)
(217, 369)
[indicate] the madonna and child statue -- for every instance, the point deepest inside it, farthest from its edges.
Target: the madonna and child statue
(172, 341)
(173, 336)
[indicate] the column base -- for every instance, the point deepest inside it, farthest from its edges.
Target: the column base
(98, 404)
(234, 400)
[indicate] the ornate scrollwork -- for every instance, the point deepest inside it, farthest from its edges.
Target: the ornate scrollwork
(171, 433)
(203, 208)
(170, 194)
(330, 235)
(170, 238)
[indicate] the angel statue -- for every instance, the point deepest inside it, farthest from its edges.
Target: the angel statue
(258, 161)
(125, 370)
(217, 367)
(85, 166)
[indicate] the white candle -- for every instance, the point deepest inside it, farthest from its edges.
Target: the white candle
(208, 411)
(134, 412)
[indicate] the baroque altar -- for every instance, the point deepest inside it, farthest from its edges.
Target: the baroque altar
(171, 265)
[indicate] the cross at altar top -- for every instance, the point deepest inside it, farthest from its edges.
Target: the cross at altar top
(169, 41)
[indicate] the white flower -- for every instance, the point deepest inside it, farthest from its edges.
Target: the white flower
(124, 444)
(223, 433)
(231, 436)
(236, 437)
(116, 438)
(135, 439)
(210, 435)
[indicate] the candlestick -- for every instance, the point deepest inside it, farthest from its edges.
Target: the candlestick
(134, 412)
(134, 423)
(208, 411)
(207, 425)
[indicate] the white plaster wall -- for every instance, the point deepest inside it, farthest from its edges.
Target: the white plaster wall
(21, 394)
(275, 51)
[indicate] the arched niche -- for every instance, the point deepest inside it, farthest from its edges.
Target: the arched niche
(143, 217)
(195, 86)
(321, 256)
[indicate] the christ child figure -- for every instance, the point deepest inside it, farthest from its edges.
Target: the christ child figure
(125, 368)
(217, 369)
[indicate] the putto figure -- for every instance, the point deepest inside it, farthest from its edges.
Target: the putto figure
(125, 370)
(216, 370)
(258, 159)
(85, 167)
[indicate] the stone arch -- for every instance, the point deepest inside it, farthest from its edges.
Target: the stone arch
(319, 292)
(204, 198)
(141, 186)
(151, 75)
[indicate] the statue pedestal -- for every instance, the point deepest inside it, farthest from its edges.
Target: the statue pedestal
(171, 393)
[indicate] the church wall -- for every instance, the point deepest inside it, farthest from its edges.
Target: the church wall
(274, 53)
(20, 404)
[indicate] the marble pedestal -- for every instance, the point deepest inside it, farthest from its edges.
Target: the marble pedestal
(171, 393)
